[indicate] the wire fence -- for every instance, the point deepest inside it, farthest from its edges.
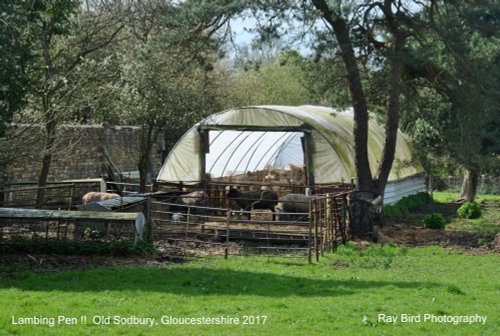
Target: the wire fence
(57, 195)
(255, 232)
(198, 217)
(487, 184)
(23, 226)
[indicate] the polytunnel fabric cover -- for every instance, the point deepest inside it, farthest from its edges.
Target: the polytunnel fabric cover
(331, 134)
(237, 152)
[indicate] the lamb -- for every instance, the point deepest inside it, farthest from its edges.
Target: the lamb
(254, 199)
(94, 196)
(177, 218)
(294, 203)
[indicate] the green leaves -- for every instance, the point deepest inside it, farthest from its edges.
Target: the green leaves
(469, 210)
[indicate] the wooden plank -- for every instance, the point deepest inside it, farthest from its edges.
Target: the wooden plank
(11, 213)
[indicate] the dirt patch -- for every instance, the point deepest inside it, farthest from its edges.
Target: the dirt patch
(168, 252)
(408, 232)
(53, 262)
(418, 236)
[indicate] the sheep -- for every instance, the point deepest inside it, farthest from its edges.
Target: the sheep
(93, 196)
(294, 203)
(182, 202)
(177, 218)
(194, 198)
(254, 199)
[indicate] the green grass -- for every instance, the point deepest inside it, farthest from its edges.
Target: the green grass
(341, 295)
(488, 222)
(445, 197)
(490, 214)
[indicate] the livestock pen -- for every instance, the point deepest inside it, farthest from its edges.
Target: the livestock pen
(199, 216)
(57, 195)
(220, 223)
(46, 229)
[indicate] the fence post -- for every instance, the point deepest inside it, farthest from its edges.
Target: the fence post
(322, 226)
(309, 240)
(328, 221)
(71, 195)
(186, 233)
(149, 220)
(316, 245)
(228, 219)
(346, 214)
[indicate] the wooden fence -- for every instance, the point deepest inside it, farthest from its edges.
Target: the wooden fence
(243, 232)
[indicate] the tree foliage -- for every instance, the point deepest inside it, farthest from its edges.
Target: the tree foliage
(452, 71)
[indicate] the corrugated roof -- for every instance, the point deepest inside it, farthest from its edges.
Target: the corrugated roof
(112, 204)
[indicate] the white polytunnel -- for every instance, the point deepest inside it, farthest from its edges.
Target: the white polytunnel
(237, 152)
(256, 137)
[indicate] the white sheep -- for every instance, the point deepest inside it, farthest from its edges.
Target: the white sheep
(95, 196)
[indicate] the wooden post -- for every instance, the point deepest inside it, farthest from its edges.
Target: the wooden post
(345, 228)
(228, 219)
(149, 220)
(315, 216)
(308, 160)
(71, 195)
(204, 149)
(322, 229)
(309, 240)
(187, 223)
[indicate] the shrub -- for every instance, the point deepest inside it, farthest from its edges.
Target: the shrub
(406, 204)
(434, 221)
(469, 210)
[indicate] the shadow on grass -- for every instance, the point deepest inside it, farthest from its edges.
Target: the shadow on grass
(201, 281)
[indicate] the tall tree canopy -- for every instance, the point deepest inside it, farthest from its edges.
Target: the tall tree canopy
(452, 70)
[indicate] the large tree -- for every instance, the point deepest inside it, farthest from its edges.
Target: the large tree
(455, 64)
(62, 36)
(167, 71)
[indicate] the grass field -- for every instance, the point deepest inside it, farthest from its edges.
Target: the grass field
(346, 293)
(444, 196)
(489, 220)
(341, 295)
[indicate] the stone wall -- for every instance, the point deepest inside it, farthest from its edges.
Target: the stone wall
(79, 152)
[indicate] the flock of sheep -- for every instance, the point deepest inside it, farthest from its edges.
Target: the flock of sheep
(248, 201)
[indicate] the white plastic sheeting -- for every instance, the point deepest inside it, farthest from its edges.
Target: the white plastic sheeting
(237, 152)
(332, 144)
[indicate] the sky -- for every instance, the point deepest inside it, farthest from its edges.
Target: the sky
(242, 37)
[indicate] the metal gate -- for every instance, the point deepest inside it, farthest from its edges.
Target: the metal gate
(244, 232)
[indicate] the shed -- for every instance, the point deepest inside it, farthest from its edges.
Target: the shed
(252, 138)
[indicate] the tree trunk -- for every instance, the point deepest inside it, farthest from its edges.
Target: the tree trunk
(46, 162)
(364, 214)
(469, 185)
(362, 164)
(392, 119)
(50, 122)
(147, 139)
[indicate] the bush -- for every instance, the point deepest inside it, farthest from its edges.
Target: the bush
(406, 204)
(469, 210)
(434, 221)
